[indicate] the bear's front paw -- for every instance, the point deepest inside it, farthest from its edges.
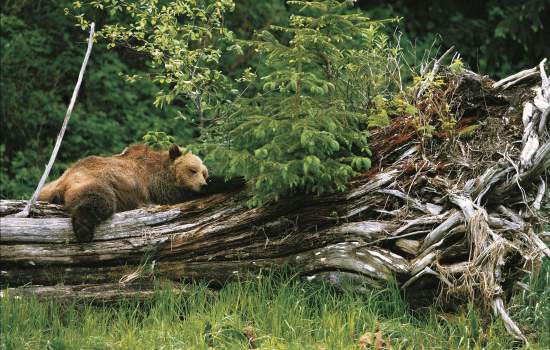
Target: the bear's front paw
(83, 228)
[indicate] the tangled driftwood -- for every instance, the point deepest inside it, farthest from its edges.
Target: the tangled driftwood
(448, 216)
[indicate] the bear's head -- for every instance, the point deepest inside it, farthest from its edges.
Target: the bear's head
(190, 173)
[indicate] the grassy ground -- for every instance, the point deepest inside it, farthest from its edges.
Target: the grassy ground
(275, 312)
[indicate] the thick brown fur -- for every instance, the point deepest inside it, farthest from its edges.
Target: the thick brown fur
(96, 187)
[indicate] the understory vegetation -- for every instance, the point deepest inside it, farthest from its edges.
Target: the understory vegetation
(233, 51)
(297, 119)
(277, 311)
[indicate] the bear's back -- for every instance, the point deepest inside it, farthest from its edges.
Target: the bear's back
(145, 155)
(126, 178)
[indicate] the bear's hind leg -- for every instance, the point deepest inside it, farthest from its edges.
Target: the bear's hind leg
(90, 207)
(51, 193)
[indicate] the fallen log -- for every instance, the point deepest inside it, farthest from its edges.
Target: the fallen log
(91, 293)
(449, 218)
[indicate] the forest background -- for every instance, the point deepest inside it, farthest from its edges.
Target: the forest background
(41, 49)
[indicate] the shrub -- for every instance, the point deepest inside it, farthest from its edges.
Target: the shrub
(323, 80)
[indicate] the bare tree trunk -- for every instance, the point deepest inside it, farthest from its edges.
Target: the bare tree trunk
(452, 218)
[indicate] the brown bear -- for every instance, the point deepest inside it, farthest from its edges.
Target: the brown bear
(96, 187)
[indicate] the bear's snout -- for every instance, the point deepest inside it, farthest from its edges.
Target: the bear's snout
(202, 186)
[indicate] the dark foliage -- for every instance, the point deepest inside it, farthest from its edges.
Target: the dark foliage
(41, 51)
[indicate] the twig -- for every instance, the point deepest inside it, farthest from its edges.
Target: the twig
(543, 120)
(524, 74)
(512, 83)
(509, 324)
(514, 78)
(545, 87)
(27, 210)
(426, 271)
(540, 194)
(544, 78)
(434, 71)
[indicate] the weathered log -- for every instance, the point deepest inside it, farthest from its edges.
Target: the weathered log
(97, 294)
(440, 219)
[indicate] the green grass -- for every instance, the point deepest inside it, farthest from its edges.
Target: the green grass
(280, 310)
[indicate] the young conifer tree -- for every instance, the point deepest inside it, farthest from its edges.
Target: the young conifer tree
(307, 130)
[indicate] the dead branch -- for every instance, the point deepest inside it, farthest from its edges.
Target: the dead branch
(27, 210)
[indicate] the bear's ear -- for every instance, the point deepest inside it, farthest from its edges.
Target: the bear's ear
(174, 151)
